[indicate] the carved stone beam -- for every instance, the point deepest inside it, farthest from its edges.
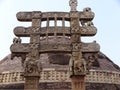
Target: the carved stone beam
(90, 47)
(27, 16)
(25, 32)
(63, 48)
(20, 48)
(22, 31)
(88, 30)
(44, 48)
(84, 31)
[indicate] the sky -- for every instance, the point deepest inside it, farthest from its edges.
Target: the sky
(107, 16)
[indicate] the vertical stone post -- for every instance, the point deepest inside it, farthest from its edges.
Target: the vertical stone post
(78, 82)
(77, 62)
(33, 69)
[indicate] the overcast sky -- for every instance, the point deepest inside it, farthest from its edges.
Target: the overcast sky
(107, 17)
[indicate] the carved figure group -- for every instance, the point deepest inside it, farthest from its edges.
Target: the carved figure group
(17, 40)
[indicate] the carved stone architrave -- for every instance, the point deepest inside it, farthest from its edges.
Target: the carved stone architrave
(28, 16)
(83, 30)
(88, 30)
(20, 48)
(90, 47)
(86, 15)
(24, 16)
(45, 48)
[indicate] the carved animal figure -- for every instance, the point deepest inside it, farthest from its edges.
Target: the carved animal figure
(17, 40)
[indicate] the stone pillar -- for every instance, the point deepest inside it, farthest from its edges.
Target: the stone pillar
(78, 82)
(31, 83)
(32, 64)
(77, 62)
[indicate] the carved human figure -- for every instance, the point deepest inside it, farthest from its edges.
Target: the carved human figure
(90, 62)
(25, 64)
(73, 5)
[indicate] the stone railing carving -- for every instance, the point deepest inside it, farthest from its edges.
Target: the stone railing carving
(94, 76)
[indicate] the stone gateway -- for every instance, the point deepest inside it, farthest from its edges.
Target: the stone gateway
(80, 25)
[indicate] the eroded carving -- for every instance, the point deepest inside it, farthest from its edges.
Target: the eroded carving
(34, 47)
(80, 67)
(73, 5)
(87, 14)
(17, 40)
(19, 48)
(36, 15)
(24, 16)
(32, 67)
(90, 60)
(86, 23)
(76, 46)
(90, 47)
(77, 67)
